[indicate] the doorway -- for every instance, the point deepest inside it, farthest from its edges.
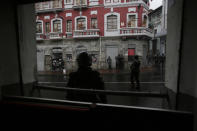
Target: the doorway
(112, 51)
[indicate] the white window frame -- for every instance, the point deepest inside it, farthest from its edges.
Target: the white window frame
(68, 3)
(76, 22)
(71, 26)
(113, 32)
(136, 22)
(147, 22)
(42, 26)
(52, 24)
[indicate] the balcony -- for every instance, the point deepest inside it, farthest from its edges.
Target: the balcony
(80, 4)
(91, 33)
(40, 37)
(140, 31)
(129, 3)
(55, 36)
(49, 6)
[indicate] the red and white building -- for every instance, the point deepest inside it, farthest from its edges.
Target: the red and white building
(100, 27)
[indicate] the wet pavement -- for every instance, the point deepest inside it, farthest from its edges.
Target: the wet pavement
(151, 80)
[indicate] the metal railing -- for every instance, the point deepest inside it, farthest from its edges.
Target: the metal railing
(56, 35)
(129, 31)
(106, 92)
(40, 36)
(86, 33)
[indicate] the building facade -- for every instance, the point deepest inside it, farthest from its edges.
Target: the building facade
(102, 28)
(158, 23)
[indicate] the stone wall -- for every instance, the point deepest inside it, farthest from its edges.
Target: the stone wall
(92, 46)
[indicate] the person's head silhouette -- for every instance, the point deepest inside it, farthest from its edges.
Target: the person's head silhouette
(136, 57)
(84, 60)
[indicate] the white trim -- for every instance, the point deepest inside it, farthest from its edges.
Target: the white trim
(111, 32)
(52, 24)
(76, 21)
(37, 21)
(136, 16)
(112, 2)
(147, 22)
(132, 9)
(126, 4)
(93, 12)
(68, 5)
(69, 14)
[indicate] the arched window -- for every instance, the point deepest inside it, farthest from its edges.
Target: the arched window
(81, 24)
(39, 27)
(112, 22)
(57, 27)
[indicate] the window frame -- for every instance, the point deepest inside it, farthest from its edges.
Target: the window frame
(76, 18)
(91, 23)
(143, 15)
(136, 21)
(46, 27)
(68, 26)
(112, 22)
(52, 29)
(39, 21)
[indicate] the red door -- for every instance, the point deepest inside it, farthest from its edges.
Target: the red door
(131, 54)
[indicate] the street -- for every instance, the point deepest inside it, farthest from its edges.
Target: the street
(151, 80)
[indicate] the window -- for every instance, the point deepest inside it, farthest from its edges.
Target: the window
(144, 23)
(47, 27)
(69, 26)
(81, 24)
(94, 23)
(78, 2)
(112, 22)
(116, 1)
(56, 3)
(68, 57)
(56, 26)
(131, 21)
(83, 2)
(39, 27)
(68, 1)
(107, 1)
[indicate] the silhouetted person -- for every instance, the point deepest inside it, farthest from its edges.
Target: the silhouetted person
(85, 78)
(121, 61)
(135, 72)
(109, 61)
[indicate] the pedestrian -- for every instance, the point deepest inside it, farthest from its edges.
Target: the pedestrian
(135, 72)
(109, 61)
(85, 78)
(121, 62)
